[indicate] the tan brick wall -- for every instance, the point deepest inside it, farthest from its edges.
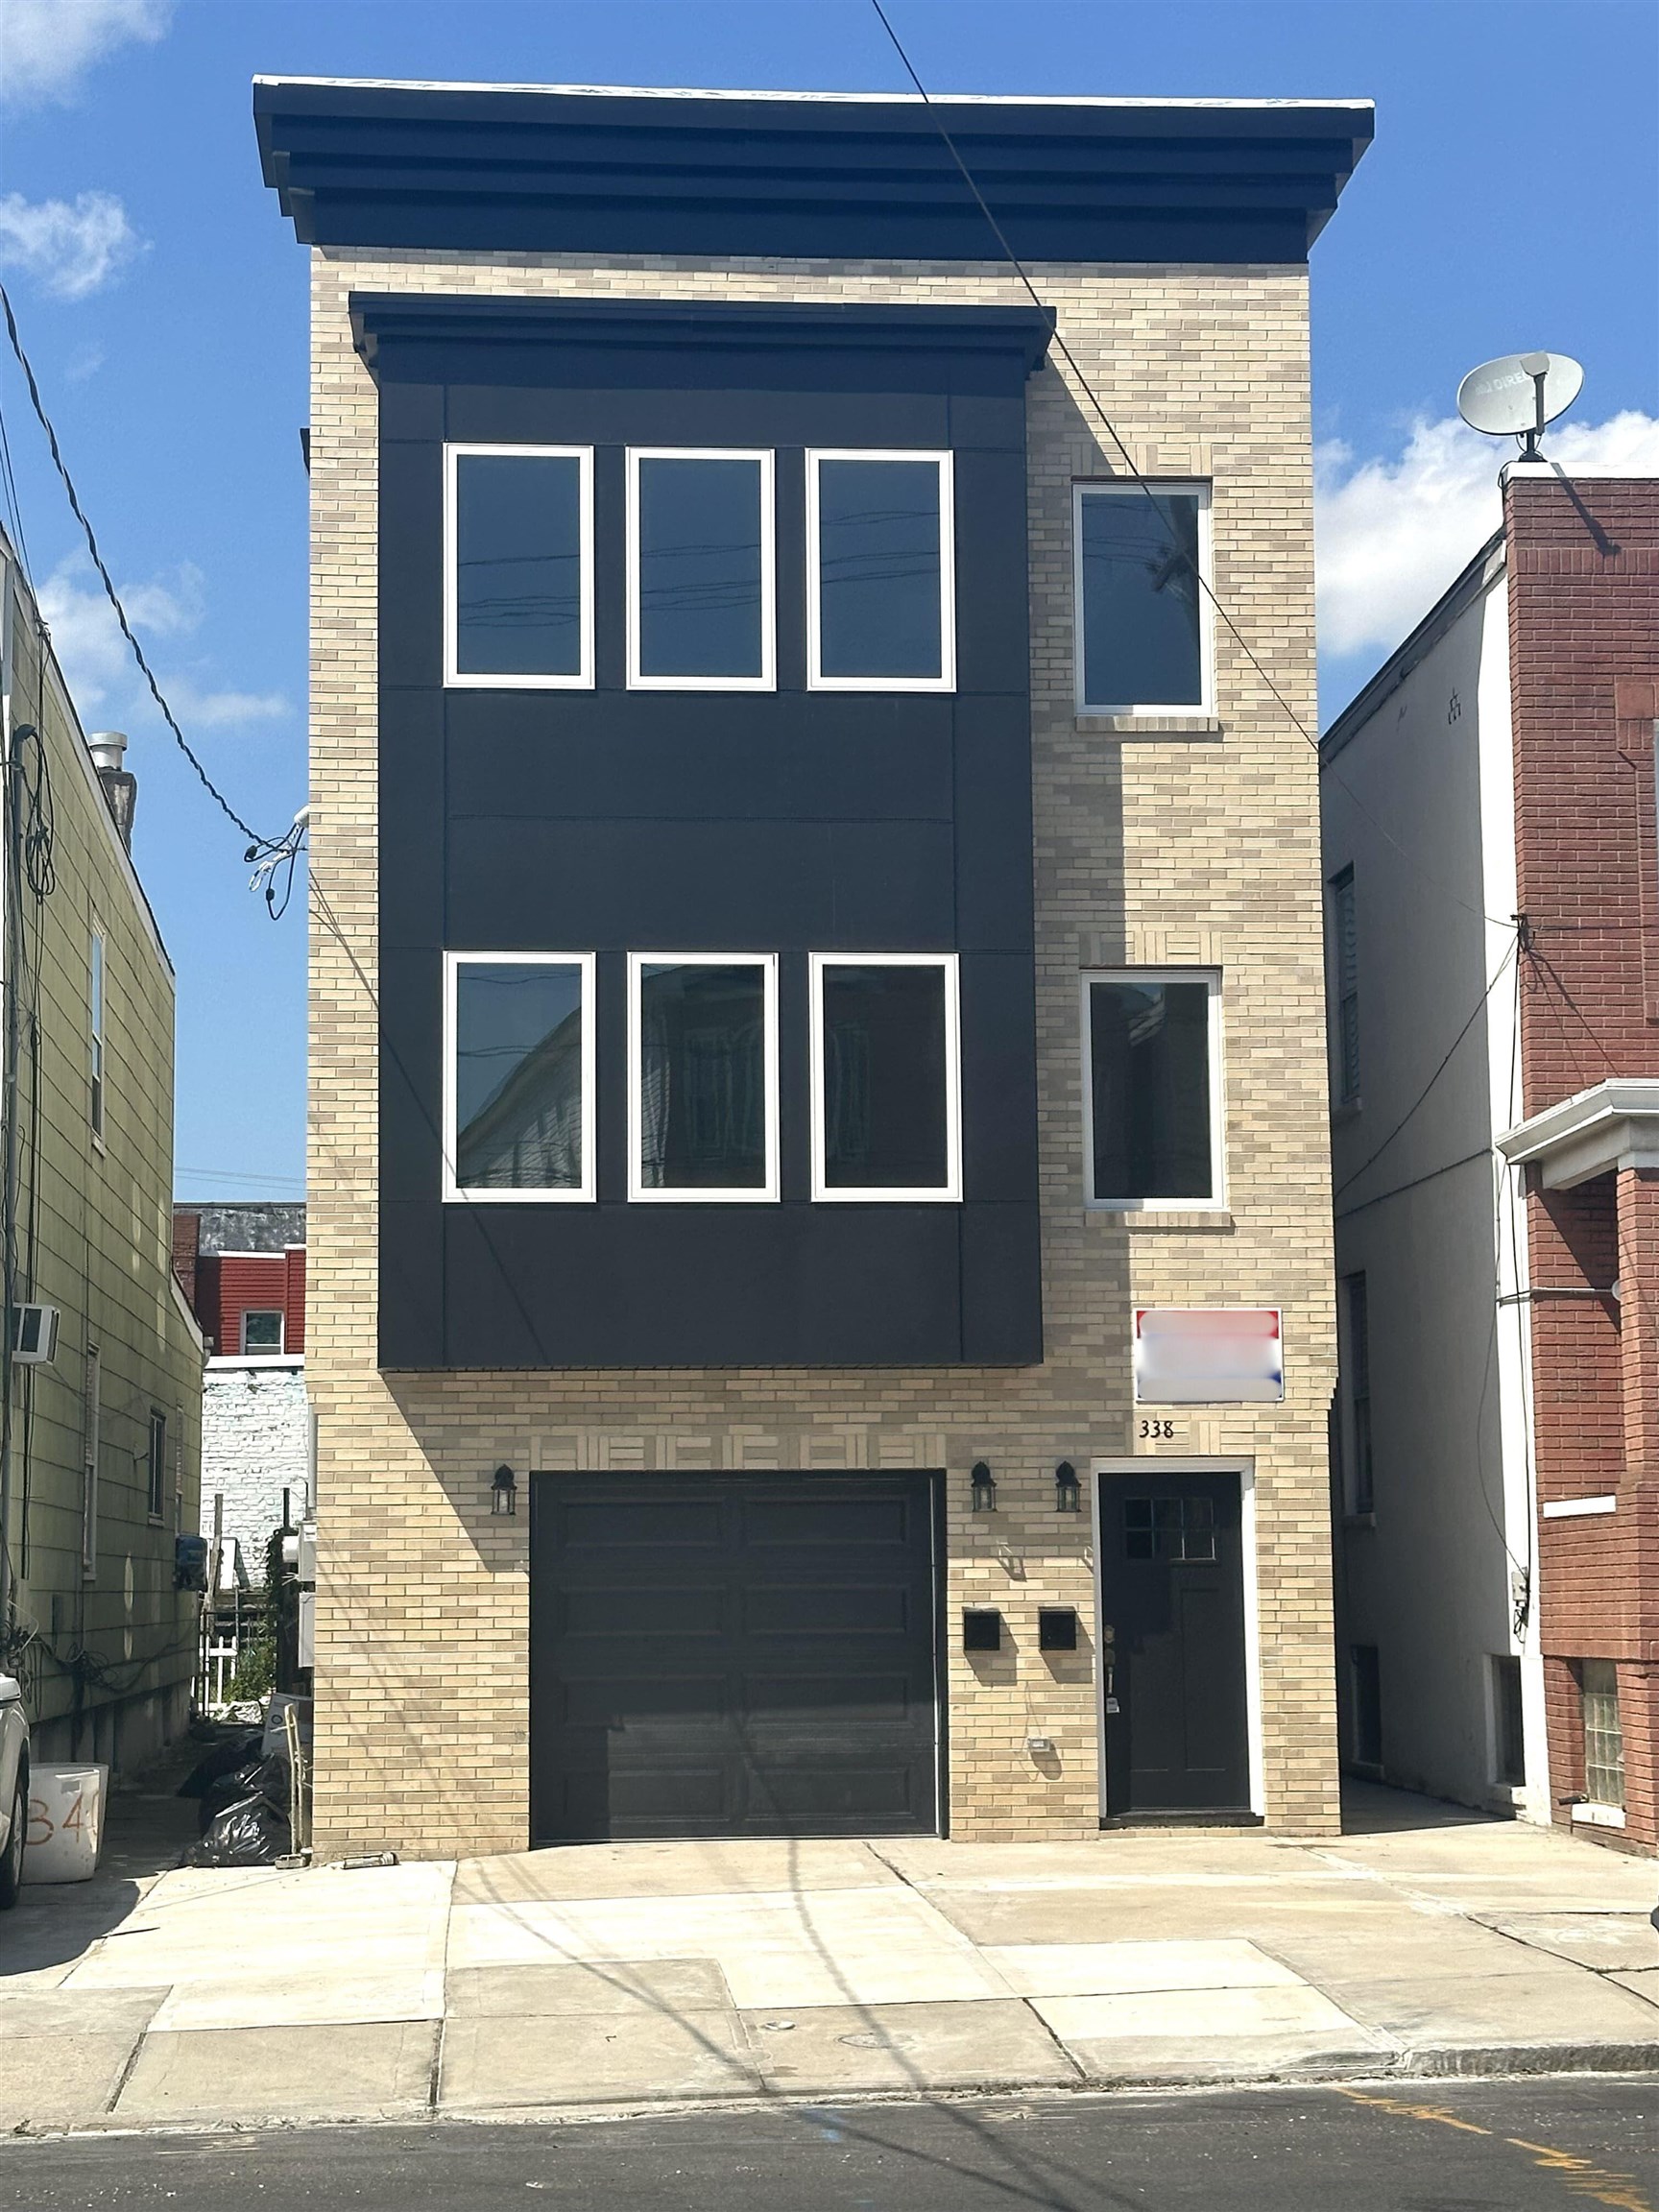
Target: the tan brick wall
(1201, 847)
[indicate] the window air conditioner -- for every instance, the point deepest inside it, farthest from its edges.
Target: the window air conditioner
(35, 1335)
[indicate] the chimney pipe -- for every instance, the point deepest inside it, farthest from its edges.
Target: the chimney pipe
(120, 786)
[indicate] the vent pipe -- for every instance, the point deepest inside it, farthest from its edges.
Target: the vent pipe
(120, 785)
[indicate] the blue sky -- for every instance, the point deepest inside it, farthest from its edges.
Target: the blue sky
(1511, 199)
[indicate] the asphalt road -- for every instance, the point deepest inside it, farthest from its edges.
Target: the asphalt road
(1541, 2146)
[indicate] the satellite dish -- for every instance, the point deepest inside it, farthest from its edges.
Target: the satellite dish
(1515, 397)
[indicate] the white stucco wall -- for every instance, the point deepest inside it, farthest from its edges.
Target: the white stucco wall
(256, 1443)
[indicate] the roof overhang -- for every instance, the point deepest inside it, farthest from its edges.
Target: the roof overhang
(512, 169)
(1613, 1126)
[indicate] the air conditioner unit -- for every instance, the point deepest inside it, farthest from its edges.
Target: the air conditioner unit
(35, 1335)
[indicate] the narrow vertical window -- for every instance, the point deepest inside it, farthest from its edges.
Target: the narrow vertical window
(157, 1489)
(1604, 1733)
(1345, 988)
(1152, 1097)
(95, 1009)
(519, 565)
(91, 1430)
(518, 1076)
(702, 1076)
(886, 1084)
(1509, 1745)
(1142, 562)
(1356, 1366)
(1365, 1719)
(700, 570)
(881, 587)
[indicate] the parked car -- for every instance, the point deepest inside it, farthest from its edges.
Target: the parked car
(14, 1788)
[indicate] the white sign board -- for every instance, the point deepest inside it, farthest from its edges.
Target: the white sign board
(1209, 1356)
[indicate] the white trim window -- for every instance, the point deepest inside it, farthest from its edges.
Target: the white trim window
(518, 1078)
(97, 966)
(518, 568)
(701, 569)
(1152, 1093)
(880, 570)
(262, 1331)
(1142, 565)
(703, 1077)
(886, 1077)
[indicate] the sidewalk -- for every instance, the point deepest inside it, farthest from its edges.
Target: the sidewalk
(616, 1977)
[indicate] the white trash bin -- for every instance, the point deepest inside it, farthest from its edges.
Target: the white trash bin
(65, 1822)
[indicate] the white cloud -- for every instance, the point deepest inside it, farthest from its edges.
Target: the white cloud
(97, 662)
(1391, 535)
(47, 46)
(73, 248)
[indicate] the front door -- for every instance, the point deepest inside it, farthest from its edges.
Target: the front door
(1172, 1645)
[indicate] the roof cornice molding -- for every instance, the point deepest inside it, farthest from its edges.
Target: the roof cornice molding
(1611, 1126)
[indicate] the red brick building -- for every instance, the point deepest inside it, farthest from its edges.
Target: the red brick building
(249, 1302)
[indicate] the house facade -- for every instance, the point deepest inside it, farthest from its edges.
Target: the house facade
(101, 1439)
(816, 964)
(1489, 846)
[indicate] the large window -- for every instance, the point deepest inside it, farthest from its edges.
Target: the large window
(700, 569)
(95, 1012)
(1152, 1098)
(880, 572)
(886, 1109)
(1143, 620)
(518, 1076)
(703, 1075)
(1344, 988)
(519, 565)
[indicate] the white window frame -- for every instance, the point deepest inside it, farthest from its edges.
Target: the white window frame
(1130, 487)
(1216, 1202)
(950, 1194)
(281, 1333)
(97, 1024)
(946, 680)
(455, 679)
(767, 680)
(761, 1194)
(454, 1193)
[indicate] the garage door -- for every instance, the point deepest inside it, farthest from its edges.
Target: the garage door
(733, 1655)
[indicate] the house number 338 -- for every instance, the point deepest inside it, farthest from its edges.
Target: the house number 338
(1161, 1430)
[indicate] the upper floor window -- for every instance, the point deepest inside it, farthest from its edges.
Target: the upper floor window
(1143, 617)
(886, 1079)
(96, 995)
(518, 1076)
(519, 565)
(700, 570)
(1152, 1094)
(157, 1487)
(1345, 988)
(703, 1075)
(261, 1330)
(881, 588)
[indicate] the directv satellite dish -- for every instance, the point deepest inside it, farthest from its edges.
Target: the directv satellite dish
(1515, 397)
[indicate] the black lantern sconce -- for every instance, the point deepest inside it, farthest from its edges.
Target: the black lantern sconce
(503, 1493)
(1067, 1490)
(984, 1488)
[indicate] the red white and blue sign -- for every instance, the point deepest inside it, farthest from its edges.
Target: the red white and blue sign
(1209, 1355)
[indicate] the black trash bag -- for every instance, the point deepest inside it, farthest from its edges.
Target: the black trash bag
(250, 1833)
(277, 1782)
(224, 1758)
(228, 1789)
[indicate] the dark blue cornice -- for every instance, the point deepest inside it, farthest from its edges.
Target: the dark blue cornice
(480, 169)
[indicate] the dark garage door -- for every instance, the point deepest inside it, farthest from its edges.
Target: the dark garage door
(733, 1655)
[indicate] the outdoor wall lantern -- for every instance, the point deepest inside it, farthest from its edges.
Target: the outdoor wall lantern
(1067, 1490)
(503, 1491)
(984, 1488)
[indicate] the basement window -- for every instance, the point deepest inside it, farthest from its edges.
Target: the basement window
(886, 1079)
(881, 587)
(518, 1076)
(700, 570)
(519, 566)
(1142, 556)
(1603, 1734)
(702, 1076)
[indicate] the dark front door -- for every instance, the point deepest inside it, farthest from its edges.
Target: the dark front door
(1172, 1645)
(733, 1655)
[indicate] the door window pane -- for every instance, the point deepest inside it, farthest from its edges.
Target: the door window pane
(1149, 1048)
(702, 1073)
(886, 1077)
(518, 558)
(701, 546)
(880, 556)
(1140, 610)
(518, 1076)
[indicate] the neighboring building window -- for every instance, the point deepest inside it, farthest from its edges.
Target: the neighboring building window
(1345, 987)
(881, 588)
(518, 1076)
(261, 1331)
(157, 1464)
(1604, 1733)
(886, 1080)
(519, 565)
(1143, 623)
(1365, 1679)
(1152, 1102)
(91, 1430)
(1355, 1364)
(700, 570)
(95, 998)
(702, 1076)
(1508, 1739)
